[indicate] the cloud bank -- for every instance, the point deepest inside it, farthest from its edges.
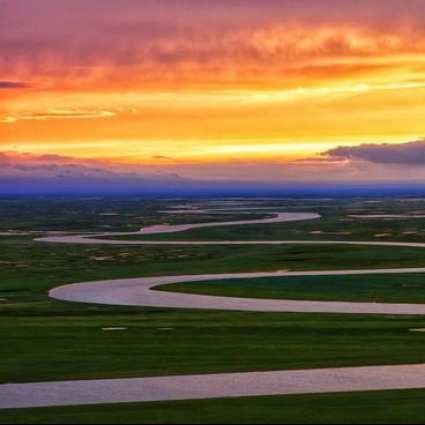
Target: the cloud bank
(52, 166)
(229, 89)
(5, 85)
(410, 153)
(153, 41)
(52, 173)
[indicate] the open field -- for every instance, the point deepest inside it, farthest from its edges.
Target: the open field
(52, 341)
(377, 407)
(49, 340)
(331, 227)
(382, 219)
(406, 288)
(81, 214)
(29, 268)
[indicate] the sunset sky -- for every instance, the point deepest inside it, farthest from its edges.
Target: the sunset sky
(271, 90)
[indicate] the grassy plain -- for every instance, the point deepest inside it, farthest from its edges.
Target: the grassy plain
(52, 341)
(342, 219)
(44, 339)
(377, 407)
(397, 288)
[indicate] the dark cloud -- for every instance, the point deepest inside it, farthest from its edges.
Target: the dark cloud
(410, 153)
(52, 170)
(53, 166)
(13, 85)
(26, 173)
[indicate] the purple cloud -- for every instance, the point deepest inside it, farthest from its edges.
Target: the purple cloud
(29, 166)
(42, 37)
(4, 85)
(410, 153)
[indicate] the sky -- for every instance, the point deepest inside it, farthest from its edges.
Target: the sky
(239, 90)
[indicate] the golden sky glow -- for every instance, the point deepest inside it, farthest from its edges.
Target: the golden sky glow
(179, 82)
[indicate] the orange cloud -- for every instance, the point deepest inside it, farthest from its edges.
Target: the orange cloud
(55, 114)
(199, 82)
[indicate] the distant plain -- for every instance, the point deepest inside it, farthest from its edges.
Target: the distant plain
(44, 339)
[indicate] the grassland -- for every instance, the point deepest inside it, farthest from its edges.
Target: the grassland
(330, 227)
(377, 407)
(44, 339)
(342, 219)
(397, 288)
(52, 341)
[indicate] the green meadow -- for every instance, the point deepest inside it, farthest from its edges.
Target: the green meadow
(45, 339)
(375, 407)
(396, 288)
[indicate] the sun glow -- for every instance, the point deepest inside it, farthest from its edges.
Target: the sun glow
(276, 87)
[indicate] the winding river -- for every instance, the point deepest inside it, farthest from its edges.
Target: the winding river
(138, 291)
